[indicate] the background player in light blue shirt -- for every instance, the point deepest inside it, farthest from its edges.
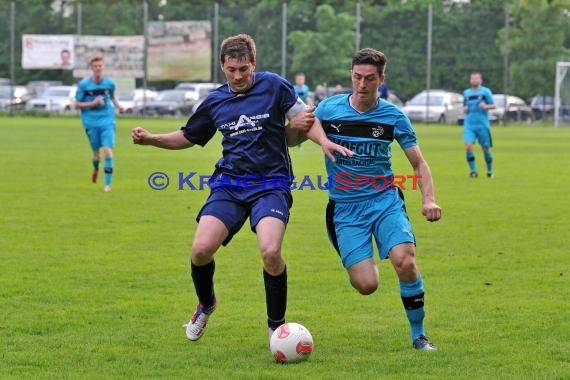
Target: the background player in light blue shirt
(96, 99)
(364, 200)
(250, 112)
(477, 101)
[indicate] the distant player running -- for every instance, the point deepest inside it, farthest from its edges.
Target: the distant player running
(96, 99)
(477, 101)
(364, 202)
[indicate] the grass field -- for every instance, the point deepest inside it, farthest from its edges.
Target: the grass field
(96, 285)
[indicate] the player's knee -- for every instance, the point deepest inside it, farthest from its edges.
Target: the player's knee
(202, 250)
(270, 254)
(365, 286)
(406, 267)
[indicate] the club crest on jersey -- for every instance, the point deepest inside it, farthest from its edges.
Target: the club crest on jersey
(377, 131)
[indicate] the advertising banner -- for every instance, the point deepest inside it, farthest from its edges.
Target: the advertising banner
(180, 50)
(123, 55)
(41, 51)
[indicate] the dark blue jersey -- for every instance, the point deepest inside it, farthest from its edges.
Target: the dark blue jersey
(253, 127)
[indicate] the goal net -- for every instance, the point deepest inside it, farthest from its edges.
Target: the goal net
(562, 94)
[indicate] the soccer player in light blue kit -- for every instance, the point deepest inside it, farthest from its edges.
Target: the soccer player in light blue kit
(95, 97)
(364, 201)
(477, 101)
(250, 112)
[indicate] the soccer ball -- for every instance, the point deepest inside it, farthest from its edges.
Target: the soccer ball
(291, 343)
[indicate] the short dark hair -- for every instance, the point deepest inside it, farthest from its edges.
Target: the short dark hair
(368, 56)
(238, 47)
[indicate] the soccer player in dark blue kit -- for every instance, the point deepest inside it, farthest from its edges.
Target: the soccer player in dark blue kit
(250, 111)
(96, 99)
(364, 202)
(477, 101)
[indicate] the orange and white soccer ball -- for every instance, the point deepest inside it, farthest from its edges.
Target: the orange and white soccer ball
(291, 343)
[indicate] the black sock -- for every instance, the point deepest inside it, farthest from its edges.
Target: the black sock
(275, 298)
(203, 277)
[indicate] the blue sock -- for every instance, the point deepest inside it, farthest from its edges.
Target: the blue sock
(412, 294)
(489, 161)
(471, 161)
(95, 164)
(108, 170)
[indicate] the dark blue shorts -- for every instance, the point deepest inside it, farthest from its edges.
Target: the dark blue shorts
(233, 207)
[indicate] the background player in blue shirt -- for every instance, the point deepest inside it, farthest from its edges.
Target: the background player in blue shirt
(250, 112)
(95, 97)
(364, 201)
(301, 87)
(477, 101)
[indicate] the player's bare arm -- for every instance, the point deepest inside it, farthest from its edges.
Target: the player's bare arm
(318, 136)
(301, 118)
(98, 101)
(430, 209)
(174, 140)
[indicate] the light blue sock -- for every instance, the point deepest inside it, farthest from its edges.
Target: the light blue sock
(471, 161)
(412, 294)
(489, 161)
(108, 170)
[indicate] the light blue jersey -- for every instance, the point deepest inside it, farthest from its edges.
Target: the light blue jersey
(102, 116)
(477, 117)
(369, 135)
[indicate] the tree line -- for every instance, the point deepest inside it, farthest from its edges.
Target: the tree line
(515, 44)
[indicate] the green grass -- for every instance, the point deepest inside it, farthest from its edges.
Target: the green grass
(96, 285)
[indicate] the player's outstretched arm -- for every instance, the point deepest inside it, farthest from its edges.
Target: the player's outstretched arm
(430, 209)
(318, 136)
(174, 140)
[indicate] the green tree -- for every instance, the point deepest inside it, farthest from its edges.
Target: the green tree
(325, 54)
(537, 41)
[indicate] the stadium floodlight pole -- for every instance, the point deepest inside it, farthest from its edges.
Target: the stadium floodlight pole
(428, 74)
(215, 66)
(284, 41)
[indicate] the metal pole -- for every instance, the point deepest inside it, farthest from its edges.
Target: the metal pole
(145, 53)
(557, 95)
(428, 78)
(357, 42)
(12, 50)
(506, 64)
(284, 41)
(79, 20)
(216, 38)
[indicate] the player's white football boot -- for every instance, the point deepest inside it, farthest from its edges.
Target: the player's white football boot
(197, 325)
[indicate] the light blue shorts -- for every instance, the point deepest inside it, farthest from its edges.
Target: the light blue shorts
(101, 137)
(481, 134)
(352, 225)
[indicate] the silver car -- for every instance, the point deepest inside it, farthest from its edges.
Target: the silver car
(435, 106)
(56, 99)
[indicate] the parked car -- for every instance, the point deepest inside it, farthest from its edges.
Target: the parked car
(444, 107)
(197, 91)
(54, 99)
(395, 99)
(542, 106)
(13, 97)
(133, 102)
(36, 87)
(510, 108)
(171, 102)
